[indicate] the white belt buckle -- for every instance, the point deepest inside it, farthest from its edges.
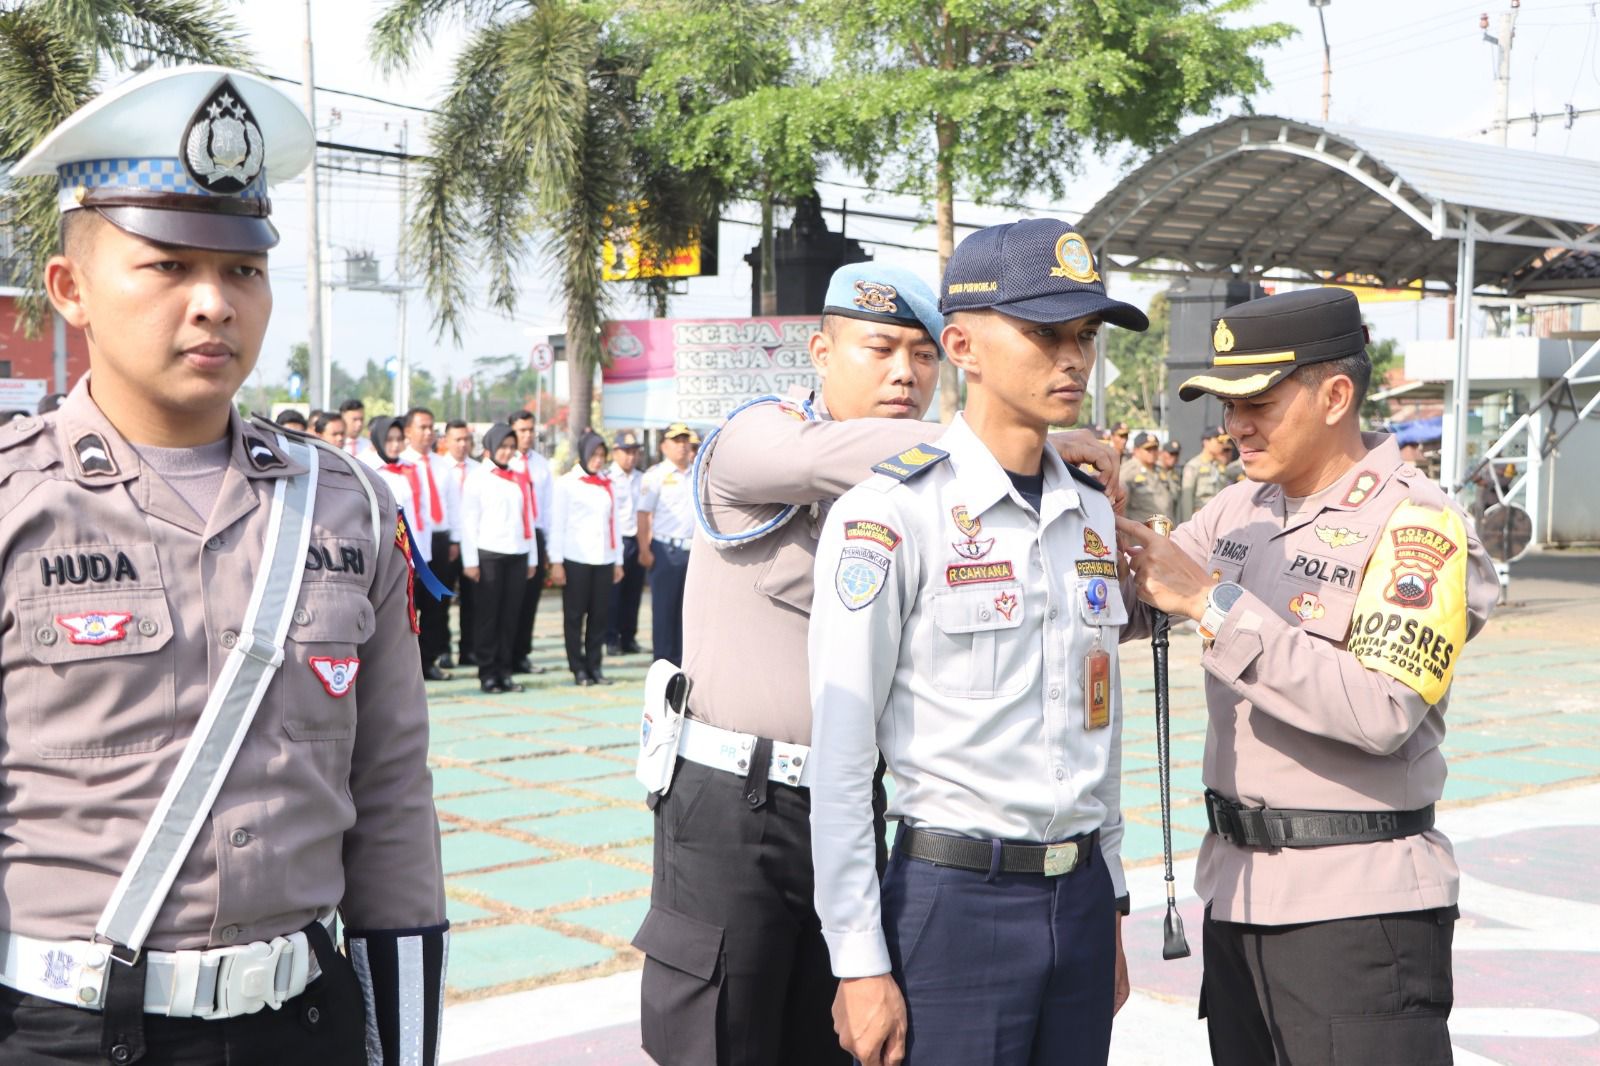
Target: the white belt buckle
(1060, 858)
(248, 980)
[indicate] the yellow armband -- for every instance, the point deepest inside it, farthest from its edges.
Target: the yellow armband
(1411, 613)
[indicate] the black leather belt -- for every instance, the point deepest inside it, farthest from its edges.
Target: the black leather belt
(964, 853)
(1268, 827)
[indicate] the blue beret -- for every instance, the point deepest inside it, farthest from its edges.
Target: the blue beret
(878, 292)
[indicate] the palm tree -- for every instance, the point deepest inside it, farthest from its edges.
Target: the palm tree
(542, 135)
(53, 56)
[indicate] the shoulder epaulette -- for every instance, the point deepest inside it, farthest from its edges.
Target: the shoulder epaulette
(911, 462)
(1084, 478)
(20, 431)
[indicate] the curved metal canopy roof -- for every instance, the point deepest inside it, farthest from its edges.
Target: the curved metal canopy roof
(1257, 193)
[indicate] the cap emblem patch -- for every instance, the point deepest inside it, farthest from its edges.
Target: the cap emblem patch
(1074, 259)
(222, 147)
(1222, 339)
(876, 297)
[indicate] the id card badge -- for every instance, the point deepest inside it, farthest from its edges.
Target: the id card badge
(1096, 689)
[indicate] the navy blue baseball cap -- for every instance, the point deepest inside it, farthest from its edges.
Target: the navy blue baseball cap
(1039, 269)
(877, 292)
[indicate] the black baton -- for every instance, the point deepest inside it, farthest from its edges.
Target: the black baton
(1173, 943)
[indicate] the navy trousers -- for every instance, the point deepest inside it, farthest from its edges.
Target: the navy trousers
(625, 597)
(667, 579)
(1003, 969)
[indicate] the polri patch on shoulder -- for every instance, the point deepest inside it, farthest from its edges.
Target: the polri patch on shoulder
(911, 462)
(860, 576)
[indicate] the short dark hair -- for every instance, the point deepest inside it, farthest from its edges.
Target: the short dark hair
(457, 423)
(352, 405)
(411, 416)
(1357, 367)
(323, 419)
(291, 416)
(519, 416)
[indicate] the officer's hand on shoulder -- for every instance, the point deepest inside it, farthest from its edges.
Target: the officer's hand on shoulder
(1082, 447)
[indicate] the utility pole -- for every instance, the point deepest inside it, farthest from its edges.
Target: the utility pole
(319, 401)
(402, 386)
(1327, 59)
(1502, 67)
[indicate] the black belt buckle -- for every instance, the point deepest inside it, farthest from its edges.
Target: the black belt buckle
(1223, 815)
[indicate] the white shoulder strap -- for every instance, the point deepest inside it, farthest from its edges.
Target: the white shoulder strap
(240, 688)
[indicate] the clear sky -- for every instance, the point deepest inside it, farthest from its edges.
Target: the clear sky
(1410, 65)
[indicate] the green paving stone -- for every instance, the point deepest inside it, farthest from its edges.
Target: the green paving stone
(628, 716)
(594, 828)
(484, 749)
(625, 788)
(1525, 772)
(497, 955)
(1570, 753)
(449, 780)
(458, 911)
(1187, 750)
(444, 732)
(1464, 740)
(620, 920)
(512, 803)
(1466, 788)
(598, 736)
(559, 768)
(478, 851)
(1140, 841)
(640, 853)
(1192, 817)
(553, 883)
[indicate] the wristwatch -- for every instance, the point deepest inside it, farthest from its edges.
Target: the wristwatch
(1219, 601)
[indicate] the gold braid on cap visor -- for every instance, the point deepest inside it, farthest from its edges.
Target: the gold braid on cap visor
(1234, 388)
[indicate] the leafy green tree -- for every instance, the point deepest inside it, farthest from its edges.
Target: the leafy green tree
(1004, 97)
(1386, 355)
(545, 101)
(54, 55)
(1141, 362)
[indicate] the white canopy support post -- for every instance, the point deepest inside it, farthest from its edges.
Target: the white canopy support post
(1466, 277)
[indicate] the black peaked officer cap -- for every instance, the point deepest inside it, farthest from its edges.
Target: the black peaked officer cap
(1259, 343)
(1038, 270)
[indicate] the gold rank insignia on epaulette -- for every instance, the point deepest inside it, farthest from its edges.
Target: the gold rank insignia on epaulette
(908, 464)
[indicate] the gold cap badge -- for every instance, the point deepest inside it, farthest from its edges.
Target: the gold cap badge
(1074, 260)
(1222, 339)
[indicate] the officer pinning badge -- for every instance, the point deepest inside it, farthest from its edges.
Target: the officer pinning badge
(1360, 488)
(860, 576)
(222, 147)
(1307, 607)
(336, 675)
(95, 627)
(875, 296)
(972, 547)
(1222, 339)
(878, 533)
(1339, 536)
(93, 457)
(1074, 261)
(1006, 604)
(1093, 544)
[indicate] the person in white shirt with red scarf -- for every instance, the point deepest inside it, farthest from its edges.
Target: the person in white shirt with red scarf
(585, 556)
(403, 478)
(498, 555)
(438, 533)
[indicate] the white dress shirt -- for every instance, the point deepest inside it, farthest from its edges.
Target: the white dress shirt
(626, 487)
(492, 516)
(454, 482)
(544, 487)
(400, 485)
(583, 522)
(666, 492)
(958, 650)
(435, 467)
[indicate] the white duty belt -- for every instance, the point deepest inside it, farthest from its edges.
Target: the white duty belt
(723, 749)
(246, 977)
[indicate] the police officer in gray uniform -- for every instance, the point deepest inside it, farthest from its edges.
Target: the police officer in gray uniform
(215, 728)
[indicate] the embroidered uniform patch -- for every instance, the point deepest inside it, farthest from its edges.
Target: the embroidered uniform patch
(876, 532)
(1093, 545)
(93, 458)
(1096, 568)
(860, 576)
(977, 573)
(1339, 536)
(1360, 488)
(96, 627)
(908, 464)
(336, 675)
(1419, 554)
(402, 540)
(969, 527)
(1307, 607)
(1006, 603)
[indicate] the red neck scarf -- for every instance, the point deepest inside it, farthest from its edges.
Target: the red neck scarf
(409, 472)
(526, 477)
(521, 483)
(435, 508)
(611, 514)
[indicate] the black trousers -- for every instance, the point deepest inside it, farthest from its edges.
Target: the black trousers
(324, 1025)
(1372, 991)
(501, 582)
(433, 616)
(522, 647)
(736, 971)
(623, 625)
(466, 599)
(585, 608)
